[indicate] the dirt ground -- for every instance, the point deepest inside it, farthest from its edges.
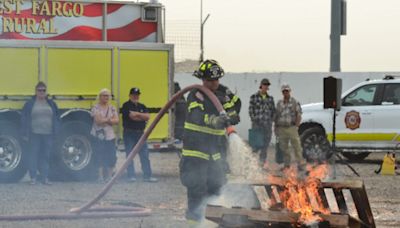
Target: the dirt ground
(167, 198)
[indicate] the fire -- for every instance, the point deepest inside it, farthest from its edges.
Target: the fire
(300, 194)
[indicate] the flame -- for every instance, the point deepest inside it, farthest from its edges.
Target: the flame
(300, 192)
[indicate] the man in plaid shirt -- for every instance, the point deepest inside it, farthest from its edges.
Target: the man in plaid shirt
(287, 121)
(262, 112)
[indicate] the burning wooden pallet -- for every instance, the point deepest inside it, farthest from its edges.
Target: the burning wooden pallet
(339, 198)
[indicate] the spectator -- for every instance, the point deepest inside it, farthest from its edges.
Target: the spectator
(39, 124)
(262, 111)
(287, 121)
(134, 118)
(105, 116)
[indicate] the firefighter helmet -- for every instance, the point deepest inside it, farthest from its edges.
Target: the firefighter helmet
(209, 70)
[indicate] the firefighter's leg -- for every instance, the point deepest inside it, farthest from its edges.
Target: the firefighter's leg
(193, 174)
(224, 151)
(284, 144)
(216, 177)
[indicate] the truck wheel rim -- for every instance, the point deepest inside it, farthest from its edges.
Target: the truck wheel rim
(316, 147)
(10, 153)
(76, 152)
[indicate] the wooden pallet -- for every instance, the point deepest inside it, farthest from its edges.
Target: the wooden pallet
(277, 216)
(240, 217)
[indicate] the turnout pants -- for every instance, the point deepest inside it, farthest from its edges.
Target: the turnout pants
(202, 178)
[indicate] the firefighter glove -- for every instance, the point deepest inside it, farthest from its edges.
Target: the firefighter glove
(218, 122)
(233, 118)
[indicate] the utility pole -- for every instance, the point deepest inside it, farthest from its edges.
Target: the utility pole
(338, 28)
(202, 23)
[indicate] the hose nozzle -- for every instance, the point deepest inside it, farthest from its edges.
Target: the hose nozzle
(230, 129)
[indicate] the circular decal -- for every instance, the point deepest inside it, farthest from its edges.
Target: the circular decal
(352, 120)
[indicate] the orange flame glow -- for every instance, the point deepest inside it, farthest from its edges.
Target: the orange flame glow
(300, 193)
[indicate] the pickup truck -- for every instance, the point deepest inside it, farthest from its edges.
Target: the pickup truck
(366, 122)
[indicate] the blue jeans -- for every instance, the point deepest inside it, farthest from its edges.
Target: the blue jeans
(131, 137)
(39, 155)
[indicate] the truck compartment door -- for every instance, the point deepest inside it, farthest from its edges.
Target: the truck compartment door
(147, 70)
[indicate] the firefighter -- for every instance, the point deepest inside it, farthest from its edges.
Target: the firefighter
(204, 141)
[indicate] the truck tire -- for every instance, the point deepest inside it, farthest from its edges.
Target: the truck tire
(12, 166)
(316, 147)
(355, 157)
(74, 158)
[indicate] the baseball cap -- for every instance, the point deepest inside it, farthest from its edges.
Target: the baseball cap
(265, 81)
(285, 87)
(135, 90)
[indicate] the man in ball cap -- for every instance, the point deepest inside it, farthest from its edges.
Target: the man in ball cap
(287, 121)
(134, 118)
(262, 111)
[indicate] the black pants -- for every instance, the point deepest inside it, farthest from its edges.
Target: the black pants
(106, 152)
(202, 178)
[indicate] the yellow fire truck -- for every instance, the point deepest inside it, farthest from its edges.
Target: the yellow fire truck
(78, 48)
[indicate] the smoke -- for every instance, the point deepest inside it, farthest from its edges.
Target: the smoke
(232, 194)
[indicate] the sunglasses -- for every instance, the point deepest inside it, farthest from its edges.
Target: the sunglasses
(41, 90)
(266, 84)
(285, 91)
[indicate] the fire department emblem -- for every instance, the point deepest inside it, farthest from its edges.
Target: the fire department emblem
(352, 120)
(214, 71)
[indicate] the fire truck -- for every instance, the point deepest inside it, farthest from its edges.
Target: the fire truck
(77, 48)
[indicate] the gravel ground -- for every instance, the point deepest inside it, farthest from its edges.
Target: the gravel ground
(167, 198)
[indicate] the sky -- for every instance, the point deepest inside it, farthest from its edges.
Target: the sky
(293, 35)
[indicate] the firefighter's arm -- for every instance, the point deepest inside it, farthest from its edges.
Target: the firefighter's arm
(234, 117)
(197, 114)
(233, 113)
(195, 109)
(237, 103)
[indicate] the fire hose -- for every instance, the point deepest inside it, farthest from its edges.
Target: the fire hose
(88, 210)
